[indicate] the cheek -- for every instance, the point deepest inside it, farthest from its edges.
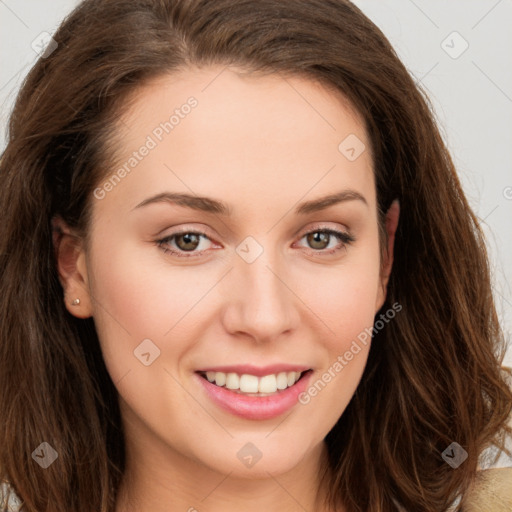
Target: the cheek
(126, 309)
(346, 307)
(348, 298)
(344, 297)
(136, 287)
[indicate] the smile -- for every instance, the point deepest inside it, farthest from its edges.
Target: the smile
(252, 384)
(254, 397)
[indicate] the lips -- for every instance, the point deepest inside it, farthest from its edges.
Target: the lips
(254, 393)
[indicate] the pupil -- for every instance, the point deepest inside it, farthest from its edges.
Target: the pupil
(317, 237)
(189, 238)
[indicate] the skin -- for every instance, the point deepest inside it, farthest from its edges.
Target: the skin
(262, 145)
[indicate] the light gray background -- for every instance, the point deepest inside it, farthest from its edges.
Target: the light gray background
(471, 94)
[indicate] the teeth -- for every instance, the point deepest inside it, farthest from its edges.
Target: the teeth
(282, 380)
(268, 384)
(251, 383)
(220, 379)
(232, 381)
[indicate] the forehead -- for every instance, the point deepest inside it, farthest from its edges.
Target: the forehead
(217, 131)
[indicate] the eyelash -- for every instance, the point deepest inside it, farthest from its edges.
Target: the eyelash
(345, 239)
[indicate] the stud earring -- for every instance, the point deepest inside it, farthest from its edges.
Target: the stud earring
(75, 302)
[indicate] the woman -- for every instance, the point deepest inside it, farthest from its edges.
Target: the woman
(238, 271)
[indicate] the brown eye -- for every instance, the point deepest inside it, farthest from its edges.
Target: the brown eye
(187, 241)
(321, 241)
(318, 240)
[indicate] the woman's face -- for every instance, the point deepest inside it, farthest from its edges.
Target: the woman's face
(256, 289)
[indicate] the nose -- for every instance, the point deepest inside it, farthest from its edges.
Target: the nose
(259, 300)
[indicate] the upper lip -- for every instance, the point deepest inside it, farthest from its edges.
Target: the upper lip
(258, 371)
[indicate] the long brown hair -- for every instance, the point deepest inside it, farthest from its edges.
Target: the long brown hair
(433, 375)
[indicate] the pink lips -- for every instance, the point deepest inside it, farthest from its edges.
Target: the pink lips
(255, 407)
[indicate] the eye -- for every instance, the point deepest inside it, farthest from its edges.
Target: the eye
(184, 242)
(320, 239)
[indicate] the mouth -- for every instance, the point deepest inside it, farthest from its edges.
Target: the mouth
(254, 393)
(254, 385)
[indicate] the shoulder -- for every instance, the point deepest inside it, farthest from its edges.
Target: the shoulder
(8, 497)
(491, 491)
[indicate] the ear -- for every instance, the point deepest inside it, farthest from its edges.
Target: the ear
(71, 268)
(391, 224)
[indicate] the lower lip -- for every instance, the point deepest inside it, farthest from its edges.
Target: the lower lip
(255, 407)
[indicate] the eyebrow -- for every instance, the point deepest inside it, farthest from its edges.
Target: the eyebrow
(210, 205)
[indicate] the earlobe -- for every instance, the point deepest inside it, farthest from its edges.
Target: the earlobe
(392, 216)
(71, 269)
